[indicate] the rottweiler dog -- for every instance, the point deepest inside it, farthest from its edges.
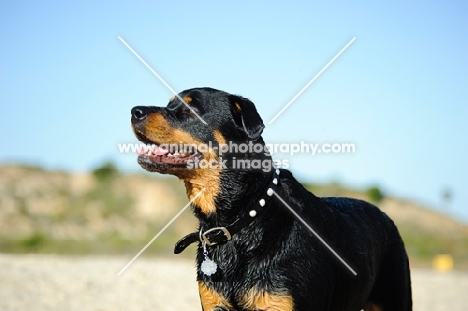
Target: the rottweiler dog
(264, 241)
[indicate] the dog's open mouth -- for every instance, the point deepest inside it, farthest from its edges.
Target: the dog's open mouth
(154, 154)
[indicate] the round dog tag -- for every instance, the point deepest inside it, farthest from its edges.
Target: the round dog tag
(208, 266)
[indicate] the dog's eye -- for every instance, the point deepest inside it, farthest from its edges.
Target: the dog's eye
(187, 112)
(194, 110)
(191, 110)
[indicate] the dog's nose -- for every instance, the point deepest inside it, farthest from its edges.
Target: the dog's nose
(140, 113)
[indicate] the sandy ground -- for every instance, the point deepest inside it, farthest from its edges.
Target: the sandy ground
(44, 282)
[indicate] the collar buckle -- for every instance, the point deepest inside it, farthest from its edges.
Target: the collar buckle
(215, 235)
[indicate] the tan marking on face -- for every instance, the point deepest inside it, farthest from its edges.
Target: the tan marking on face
(211, 299)
(172, 99)
(261, 300)
(187, 99)
(372, 307)
(157, 129)
(238, 107)
(219, 137)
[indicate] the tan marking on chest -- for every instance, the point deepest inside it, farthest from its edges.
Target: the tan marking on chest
(211, 299)
(261, 300)
(372, 307)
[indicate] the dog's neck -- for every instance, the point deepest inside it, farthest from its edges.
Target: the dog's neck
(232, 195)
(202, 189)
(221, 226)
(218, 194)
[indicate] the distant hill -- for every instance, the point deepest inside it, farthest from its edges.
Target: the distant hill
(109, 212)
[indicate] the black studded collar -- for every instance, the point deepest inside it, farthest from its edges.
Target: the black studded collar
(219, 235)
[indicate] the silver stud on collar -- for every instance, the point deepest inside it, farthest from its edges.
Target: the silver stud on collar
(262, 202)
(270, 192)
(277, 171)
(275, 181)
(253, 213)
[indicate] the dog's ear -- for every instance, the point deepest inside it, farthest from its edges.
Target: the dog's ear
(246, 116)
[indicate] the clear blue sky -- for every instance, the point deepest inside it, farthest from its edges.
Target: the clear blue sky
(399, 92)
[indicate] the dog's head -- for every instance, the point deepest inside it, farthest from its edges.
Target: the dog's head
(190, 131)
(184, 134)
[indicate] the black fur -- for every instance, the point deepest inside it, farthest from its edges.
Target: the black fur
(275, 252)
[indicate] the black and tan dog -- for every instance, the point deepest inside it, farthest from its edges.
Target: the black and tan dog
(253, 252)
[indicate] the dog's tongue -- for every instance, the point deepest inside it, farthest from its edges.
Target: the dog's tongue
(154, 149)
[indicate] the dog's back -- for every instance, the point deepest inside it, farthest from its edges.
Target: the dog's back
(386, 263)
